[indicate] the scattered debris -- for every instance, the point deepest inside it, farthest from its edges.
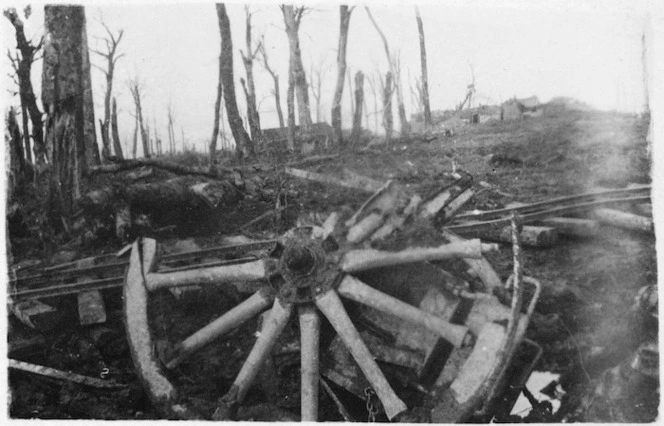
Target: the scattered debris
(60, 375)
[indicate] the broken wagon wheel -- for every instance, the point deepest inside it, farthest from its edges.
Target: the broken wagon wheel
(314, 268)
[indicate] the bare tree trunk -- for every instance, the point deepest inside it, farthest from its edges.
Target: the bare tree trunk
(387, 108)
(292, 19)
(63, 96)
(111, 44)
(26, 92)
(171, 132)
(217, 115)
(396, 75)
(275, 78)
(91, 147)
(17, 165)
(114, 131)
(375, 99)
(26, 132)
(644, 62)
(248, 59)
(290, 103)
(135, 88)
(135, 145)
(425, 78)
(243, 143)
(359, 102)
(277, 100)
(344, 22)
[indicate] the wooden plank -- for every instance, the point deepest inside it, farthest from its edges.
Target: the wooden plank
(572, 226)
(60, 375)
(623, 219)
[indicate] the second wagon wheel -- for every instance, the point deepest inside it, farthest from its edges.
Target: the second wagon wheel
(319, 273)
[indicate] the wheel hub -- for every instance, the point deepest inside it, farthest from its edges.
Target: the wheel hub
(305, 269)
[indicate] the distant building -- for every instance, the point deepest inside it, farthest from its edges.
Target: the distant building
(515, 109)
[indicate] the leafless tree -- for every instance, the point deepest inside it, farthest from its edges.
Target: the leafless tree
(344, 23)
(23, 67)
(359, 102)
(217, 116)
(248, 61)
(114, 130)
(470, 91)
(317, 74)
(243, 143)
(423, 62)
(275, 78)
(292, 19)
(64, 81)
(111, 42)
(372, 85)
(171, 133)
(387, 91)
(394, 68)
(136, 89)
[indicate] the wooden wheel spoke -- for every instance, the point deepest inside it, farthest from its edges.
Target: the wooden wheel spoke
(364, 259)
(222, 325)
(310, 338)
(214, 275)
(331, 306)
(354, 289)
(272, 327)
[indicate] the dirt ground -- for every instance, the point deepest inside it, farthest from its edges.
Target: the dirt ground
(587, 320)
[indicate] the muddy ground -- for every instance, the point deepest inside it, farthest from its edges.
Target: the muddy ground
(588, 321)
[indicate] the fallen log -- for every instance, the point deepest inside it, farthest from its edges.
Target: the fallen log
(184, 201)
(216, 172)
(572, 226)
(623, 219)
(350, 182)
(532, 236)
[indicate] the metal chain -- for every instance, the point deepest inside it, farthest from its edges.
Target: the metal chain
(371, 408)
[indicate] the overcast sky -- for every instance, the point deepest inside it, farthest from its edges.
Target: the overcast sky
(591, 52)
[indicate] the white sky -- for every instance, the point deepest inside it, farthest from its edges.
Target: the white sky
(590, 51)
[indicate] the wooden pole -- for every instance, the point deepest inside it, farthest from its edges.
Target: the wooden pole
(331, 306)
(354, 289)
(215, 275)
(364, 259)
(310, 339)
(272, 328)
(222, 325)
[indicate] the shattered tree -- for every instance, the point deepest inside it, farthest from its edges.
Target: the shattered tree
(65, 78)
(359, 102)
(423, 62)
(109, 55)
(395, 69)
(292, 19)
(29, 107)
(243, 143)
(136, 92)
(344, 23)
(387, 106)
(217, 116)
(275, 79)
(250, 91)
